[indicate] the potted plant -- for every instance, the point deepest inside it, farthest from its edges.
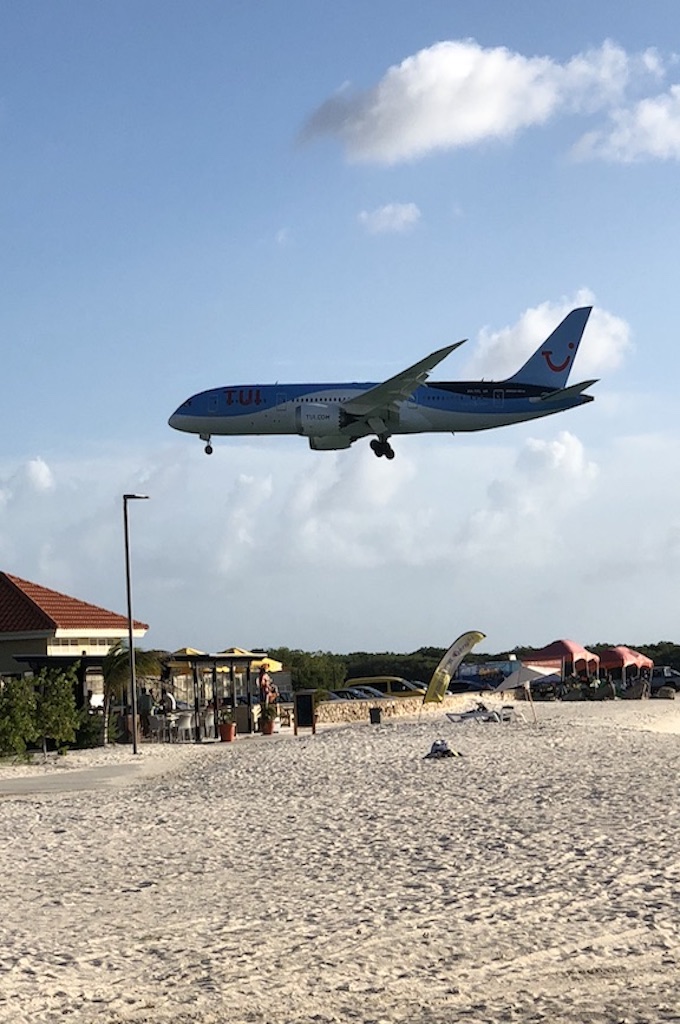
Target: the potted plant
(227, 725)
(269, 713)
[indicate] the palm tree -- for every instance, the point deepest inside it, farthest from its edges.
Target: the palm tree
(116, 674)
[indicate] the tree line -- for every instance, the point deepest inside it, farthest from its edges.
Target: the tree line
(324, 670)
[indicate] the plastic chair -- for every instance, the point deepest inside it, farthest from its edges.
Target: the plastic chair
(157, 728)
(184, 726)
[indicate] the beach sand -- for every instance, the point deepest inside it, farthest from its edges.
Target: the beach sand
(345, 877)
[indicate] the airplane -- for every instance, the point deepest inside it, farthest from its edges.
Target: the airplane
(334, 416)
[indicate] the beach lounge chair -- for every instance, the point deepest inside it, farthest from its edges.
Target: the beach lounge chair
(479, 714)
(483, 714)
(509, 713)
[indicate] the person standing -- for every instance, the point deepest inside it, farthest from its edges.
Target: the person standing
(264, 682)
(145, 704)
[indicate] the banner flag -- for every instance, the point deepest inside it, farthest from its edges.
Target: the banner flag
(442, 675)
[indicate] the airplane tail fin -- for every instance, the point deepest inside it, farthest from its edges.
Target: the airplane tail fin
(551, 363)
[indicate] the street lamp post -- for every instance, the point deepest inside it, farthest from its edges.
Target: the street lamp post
(133, 680)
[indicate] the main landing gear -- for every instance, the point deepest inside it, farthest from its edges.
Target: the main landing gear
(382, 447)
(208, 447)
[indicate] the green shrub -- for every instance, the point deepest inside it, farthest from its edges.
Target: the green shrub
(90, 731)
(18, 725)
(57, 716)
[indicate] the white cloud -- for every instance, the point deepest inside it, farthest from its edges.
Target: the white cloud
(564, 457)
(500, 353)
(39, 475)
(272, 543)
(27, 489)
(347, 512)
(393, 217)
(528, 507)
(246, 504)
(648, 130)
(33, 477)
(458, 93)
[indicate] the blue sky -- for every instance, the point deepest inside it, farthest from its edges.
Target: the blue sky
(194, 195)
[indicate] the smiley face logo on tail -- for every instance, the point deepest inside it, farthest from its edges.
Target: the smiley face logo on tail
(557, 367)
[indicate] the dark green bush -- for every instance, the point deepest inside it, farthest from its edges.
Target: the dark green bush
(18, 725)
(90, 731)
(56, 715)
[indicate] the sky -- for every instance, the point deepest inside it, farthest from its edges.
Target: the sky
(213, 193)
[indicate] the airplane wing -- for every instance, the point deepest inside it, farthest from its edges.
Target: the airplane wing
(575, 389)
(396, 389)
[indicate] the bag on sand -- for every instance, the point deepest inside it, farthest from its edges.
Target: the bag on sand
(440, 748)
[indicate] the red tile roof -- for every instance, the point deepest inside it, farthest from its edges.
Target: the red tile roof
(27, 607)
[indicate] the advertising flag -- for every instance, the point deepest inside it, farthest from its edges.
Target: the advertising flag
(441, 677)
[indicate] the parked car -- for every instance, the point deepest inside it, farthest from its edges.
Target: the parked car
(664, 675)
(367, 692)
(473, 685)
(390, 686)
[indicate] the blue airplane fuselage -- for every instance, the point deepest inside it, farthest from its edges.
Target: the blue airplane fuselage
(309, 409)
(333, 416)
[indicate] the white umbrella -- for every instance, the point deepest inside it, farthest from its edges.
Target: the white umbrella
(522, 677)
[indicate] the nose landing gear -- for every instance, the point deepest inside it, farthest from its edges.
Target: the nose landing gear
(208, 447)
(381, 447)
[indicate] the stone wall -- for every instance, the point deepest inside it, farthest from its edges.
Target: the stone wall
(332, 712)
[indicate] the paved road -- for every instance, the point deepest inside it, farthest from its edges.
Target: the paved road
(72, 780)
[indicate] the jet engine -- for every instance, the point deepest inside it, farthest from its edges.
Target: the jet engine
(329, 444)
(318, 419)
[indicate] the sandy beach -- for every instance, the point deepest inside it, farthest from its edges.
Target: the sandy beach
(345, 877)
